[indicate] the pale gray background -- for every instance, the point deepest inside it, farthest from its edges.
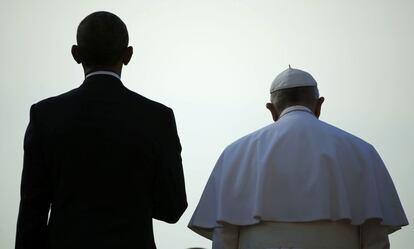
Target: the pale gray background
(213, 62)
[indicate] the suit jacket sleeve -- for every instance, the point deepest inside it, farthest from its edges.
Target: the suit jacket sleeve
(170, 200)
(34, 192)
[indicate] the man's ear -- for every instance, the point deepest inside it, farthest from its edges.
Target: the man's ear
(129, 51)
(318, 106)
(76, 54)
(273, 111)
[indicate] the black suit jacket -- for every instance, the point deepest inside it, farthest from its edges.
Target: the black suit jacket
(105, 161)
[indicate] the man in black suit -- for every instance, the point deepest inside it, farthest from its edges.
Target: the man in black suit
(102, 159)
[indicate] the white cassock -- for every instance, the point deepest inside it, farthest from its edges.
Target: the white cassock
(298, 169)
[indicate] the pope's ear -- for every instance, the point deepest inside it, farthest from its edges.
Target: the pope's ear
(273, 111)
(319, 106)
(76, 54)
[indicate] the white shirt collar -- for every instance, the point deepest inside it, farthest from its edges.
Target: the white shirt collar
(295, 108)
(103, 72)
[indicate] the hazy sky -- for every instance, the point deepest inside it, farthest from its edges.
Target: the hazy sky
(213, 62)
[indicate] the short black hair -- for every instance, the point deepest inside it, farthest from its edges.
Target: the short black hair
(284, 98)
(102, 38)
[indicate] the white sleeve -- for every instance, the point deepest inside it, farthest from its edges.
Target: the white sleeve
(374, 236)
(226, 237)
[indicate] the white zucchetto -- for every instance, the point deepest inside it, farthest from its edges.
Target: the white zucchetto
(291, 78)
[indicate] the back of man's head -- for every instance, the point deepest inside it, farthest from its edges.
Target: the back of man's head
(305, 96)
(102, 38)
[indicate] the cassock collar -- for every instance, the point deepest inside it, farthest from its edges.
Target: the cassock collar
(295, 108)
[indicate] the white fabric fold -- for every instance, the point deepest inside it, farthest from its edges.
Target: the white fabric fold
(298, 169)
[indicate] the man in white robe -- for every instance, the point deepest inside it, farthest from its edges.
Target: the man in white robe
(298, 182)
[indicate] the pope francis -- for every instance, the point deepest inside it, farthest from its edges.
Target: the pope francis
(298, 182)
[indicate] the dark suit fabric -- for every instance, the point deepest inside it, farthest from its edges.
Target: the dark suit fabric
(105, 161)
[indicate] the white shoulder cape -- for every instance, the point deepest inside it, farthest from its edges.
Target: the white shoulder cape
(298, 169)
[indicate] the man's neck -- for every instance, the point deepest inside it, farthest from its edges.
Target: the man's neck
(296, 108)
(103, 73)
(115, 69)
